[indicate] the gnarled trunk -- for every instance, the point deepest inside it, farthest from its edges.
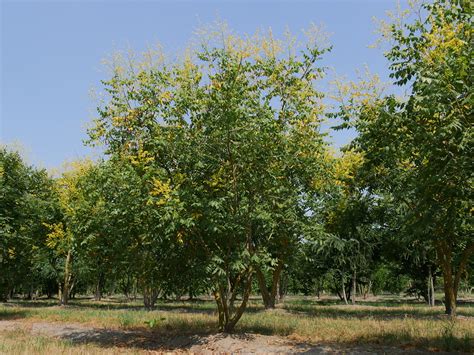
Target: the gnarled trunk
(225, 297)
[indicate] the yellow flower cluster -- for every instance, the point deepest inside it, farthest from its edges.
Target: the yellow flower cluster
(56, 235)
(143, 157)
(161, 189)
(442, 40)
(346, 166)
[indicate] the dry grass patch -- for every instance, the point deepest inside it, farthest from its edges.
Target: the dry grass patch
(402, 325)
(430, 332)
(22, 342)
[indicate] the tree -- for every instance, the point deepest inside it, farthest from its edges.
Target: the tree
(27, 200)
(229, 140)
(420, 150)
(119, 228)
(63, 237)
(350, 237)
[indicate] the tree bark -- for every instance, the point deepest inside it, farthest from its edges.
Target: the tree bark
(445, 256)
(451, 279)
(354, 287)
(277, 293)
(229, 315)
(150, 295)
(449, 294)
(269, 297)
(344, 297)
(263, 287)
(64, 293)
(229, 327)
(431, 299)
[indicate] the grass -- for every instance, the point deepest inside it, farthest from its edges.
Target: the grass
(395, 322)
(21, 342)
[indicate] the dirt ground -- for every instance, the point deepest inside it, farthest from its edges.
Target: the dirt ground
(209, 344)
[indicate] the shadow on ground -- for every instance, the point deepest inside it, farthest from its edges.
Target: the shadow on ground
(249, 339)
(132, 339)
(251, 343)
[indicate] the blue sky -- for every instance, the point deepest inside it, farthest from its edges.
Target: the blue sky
(51, 54)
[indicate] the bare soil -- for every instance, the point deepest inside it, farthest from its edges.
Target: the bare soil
(149, 342)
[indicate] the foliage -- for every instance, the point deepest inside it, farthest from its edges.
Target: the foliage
(229, 141)
(27, 201)
(420, 150)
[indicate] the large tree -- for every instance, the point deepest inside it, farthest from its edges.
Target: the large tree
(229, 140)
(420, 149)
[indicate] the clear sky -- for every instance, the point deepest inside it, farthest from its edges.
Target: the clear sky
(51, 54)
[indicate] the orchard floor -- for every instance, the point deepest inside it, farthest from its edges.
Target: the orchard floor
(379, 325)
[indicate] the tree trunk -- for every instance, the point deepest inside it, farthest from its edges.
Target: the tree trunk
(225, 297)
(366, 289)
(135, 289)
(430, 285)
(64, 293)
(433, 301)
(72, 292)
(344, 297)
(445, 256)
(150, 295)
(451, 278)
(318, 290)
(354, 287)
(277, 293)
(98, 287)
(449, 292)
(281, 289)
(269, 296)
(263, 288)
